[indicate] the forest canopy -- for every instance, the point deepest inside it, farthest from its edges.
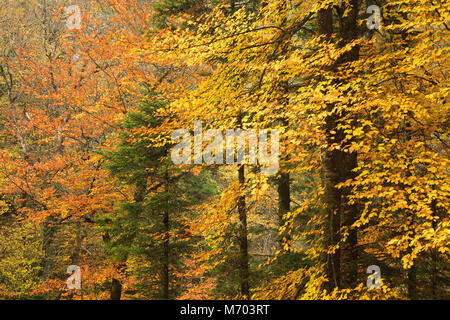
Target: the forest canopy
(223, 149)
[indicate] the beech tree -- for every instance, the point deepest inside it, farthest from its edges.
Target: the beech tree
(357, 91)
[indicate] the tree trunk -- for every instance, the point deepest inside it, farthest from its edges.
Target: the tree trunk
(330, 165)
(349, 256)
(434, 255)
(116, 289)
(165, 264)
(284, 202)
(337, 165)
(412, 283)
(139, 196)
(243, 241)
(350, 246)
(48, 232)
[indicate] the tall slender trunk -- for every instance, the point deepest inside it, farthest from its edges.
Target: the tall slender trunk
(434, 255)
(349, 256)
(244, 272)
(243, 241)
(284, 201)
(48, 232)
(165, 264)
(283, 182)
(330, 165)
(349, 248)
(76, 254)
(337, 165)
(412, 271)
(412, 282)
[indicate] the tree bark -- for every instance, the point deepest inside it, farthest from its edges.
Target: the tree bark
(284, 201)
(330, 165)
(243, 241)
(434, 255)
(412, 283)
(165, 265)
(337, 165)
(116, 289)
(349, 256)
(48, 232)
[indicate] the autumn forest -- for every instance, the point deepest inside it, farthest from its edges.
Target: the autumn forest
(224, 149)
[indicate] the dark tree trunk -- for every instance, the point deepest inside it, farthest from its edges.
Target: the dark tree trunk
(349, 247)
(244, 271)
(284, 201)
(412, 283)
(116, 289)
(349, 256)
(412, 271)
(332, 211)
(337, 165)
(434, 255)
(165, 264)
(48, 232)
(330, 165)
(243, 241)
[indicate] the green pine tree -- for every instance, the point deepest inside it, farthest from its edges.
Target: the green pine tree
(147, 236)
